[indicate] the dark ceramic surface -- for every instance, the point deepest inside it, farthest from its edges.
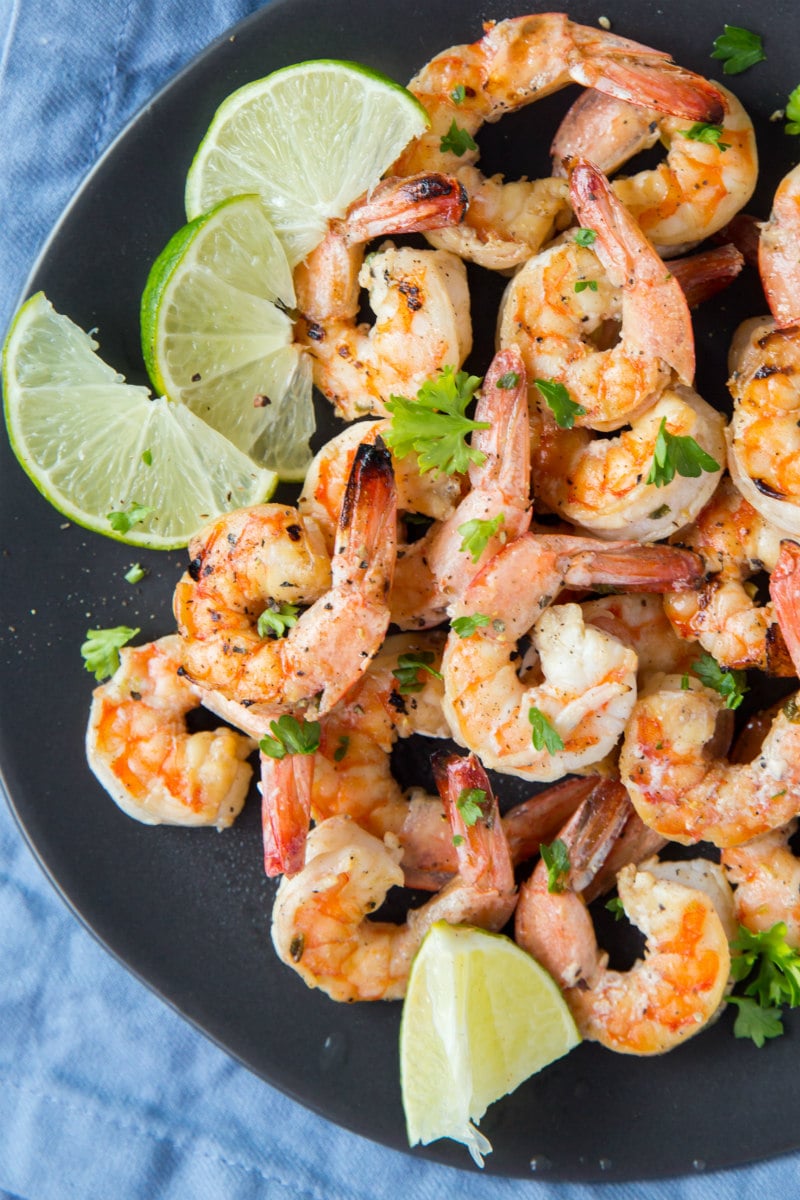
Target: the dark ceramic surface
(188, 912)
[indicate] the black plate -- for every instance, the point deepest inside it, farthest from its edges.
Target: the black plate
(188, 912)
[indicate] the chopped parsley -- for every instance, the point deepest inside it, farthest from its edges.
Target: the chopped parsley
(543, 735)
(582, 284)
(731, 685)
(100, 651)
(290, 736)
(123, 521)
(508, 381)
(276, 620)
(464, 627)
(458, 94)
(475, 535)
(556, 858)
(701, 131)
(560, 403)
(135, 573)
(470, 804)
(586, 237)
(675, 455)
(738, 49)
(408, 668)
(457, 140)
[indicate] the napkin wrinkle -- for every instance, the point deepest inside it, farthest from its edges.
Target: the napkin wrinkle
(186, 1143)
(101, 126)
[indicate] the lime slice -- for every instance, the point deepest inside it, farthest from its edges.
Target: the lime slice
(310, 139)
(95, 445)
(480, 1016)
(216, 336)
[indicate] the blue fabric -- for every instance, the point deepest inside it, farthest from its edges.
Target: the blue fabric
(104, 1090)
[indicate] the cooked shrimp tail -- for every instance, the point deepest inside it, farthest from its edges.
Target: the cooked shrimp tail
(656, 318)
(784, 590)
(361, 572)
(412, 204)
(708, 272)
(777, 253)
(484, 859)
(285, 811)
(634, 567)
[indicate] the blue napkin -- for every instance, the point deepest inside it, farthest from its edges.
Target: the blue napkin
(106, 1092)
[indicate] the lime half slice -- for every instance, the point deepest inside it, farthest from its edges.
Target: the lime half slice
(216, 334)
(310, 139)
(479, 1017)
(95, 445)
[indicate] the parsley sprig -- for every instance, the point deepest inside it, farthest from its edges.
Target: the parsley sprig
(556, 858)
(457, 140)
(560, 403)
(676, 455)
(731, 685)
(291, 736)
(464, 627)
(738, 49)
(543, 734)
(434, 425)
(772, 970)
(100, 651)
(793, 111)
(408, 668)
(276, 620)
(701, 131)
(475, 535)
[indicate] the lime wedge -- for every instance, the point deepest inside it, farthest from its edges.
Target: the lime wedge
(217, 337)
(480, 1016)
(310, 139)
(95, 445)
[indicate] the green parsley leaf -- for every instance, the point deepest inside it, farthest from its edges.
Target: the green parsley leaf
(558, 400)
(466, 626)
(434, 425)
(476, 533)
(458, 94)
(731, 685)
(470, 804)
(543, 735)
(793, 111)
(677, 455)
(586, 237)
(753, 1021)
(582, 284)
(341, 749)
(614, 905)
(122, 522)
(508, 381)
(776, 965)
(291, 737)
(738, 49)
(556, 859)
(457, 140)
(408, 667)
(135, 574)
(147, 458)
(276, 620)
(458, 840)
(701, 131)
(100, 651)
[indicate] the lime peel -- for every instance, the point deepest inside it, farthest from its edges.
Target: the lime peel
(310, 139)
(94, 444)
(480, 1016)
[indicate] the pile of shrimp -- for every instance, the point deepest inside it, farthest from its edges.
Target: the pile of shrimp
(550, 617)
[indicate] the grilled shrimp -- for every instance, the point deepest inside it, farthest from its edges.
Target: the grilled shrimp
(237, 574)
(320, 924)
(419, 297)
(516, 62)
(700, 186)
(589, 678)
(558, 305)
(665, 998)
(138, 745)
